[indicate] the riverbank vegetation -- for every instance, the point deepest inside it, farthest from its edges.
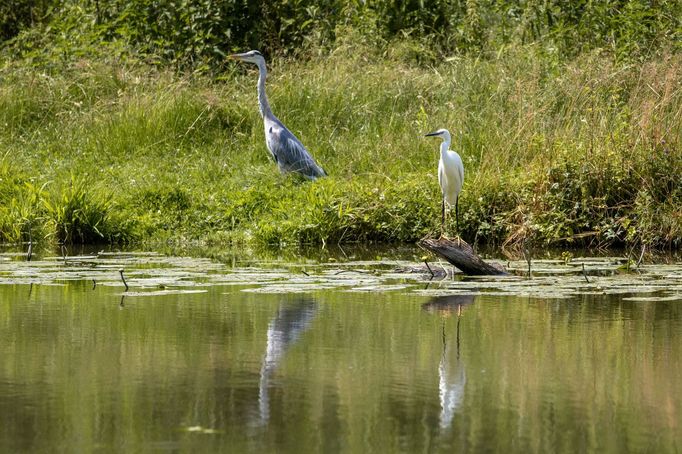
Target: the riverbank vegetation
(118, 130)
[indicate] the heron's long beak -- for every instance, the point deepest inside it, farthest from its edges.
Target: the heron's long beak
(240, 57)
(434, 133)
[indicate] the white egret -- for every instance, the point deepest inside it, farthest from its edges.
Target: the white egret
(288, 152)
(450, 176)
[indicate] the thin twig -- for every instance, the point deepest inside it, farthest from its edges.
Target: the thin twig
(428, 283)
(526, 255)
(445, 272)
(641, 256)
(123, 279)
(429, 268)
(585, 274)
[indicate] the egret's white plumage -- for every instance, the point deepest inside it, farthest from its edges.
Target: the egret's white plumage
(285, 148)
(450, 175)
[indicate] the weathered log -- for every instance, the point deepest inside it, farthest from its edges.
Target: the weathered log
(460, 254)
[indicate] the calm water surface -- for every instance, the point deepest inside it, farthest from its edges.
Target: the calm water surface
(88, 367)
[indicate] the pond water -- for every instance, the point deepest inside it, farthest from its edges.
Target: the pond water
(343, 354)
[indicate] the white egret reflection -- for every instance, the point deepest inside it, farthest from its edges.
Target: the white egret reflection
(451, 370)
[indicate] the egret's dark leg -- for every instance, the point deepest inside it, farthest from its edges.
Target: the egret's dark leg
(457, 214)
(459, 239)
(442, 217)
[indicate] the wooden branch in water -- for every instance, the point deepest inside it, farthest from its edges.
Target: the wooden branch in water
(461, 255)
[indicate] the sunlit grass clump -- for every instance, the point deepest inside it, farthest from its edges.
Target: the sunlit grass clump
(583, 152)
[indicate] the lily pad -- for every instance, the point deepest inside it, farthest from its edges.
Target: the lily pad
(654, 298)
(151, 273)
(163, 292)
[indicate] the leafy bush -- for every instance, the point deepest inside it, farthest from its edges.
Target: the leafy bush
(19, 15)
(197, 34)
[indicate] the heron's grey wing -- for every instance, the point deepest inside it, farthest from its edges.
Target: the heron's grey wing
(291, 155)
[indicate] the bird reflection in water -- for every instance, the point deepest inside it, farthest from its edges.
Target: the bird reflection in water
(293, 318)
(451, 373)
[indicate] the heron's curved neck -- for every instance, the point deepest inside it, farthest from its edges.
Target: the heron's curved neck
(263, 104)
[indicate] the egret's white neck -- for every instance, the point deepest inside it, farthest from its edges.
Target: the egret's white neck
(263, 104)
(444, 147)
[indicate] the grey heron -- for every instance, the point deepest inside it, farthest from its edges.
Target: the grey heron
(288, 152)
(450, 176)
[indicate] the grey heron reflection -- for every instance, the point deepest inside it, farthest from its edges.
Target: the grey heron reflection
(451, 371)
(294, 317)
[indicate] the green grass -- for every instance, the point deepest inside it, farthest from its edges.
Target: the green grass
(583, 152)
